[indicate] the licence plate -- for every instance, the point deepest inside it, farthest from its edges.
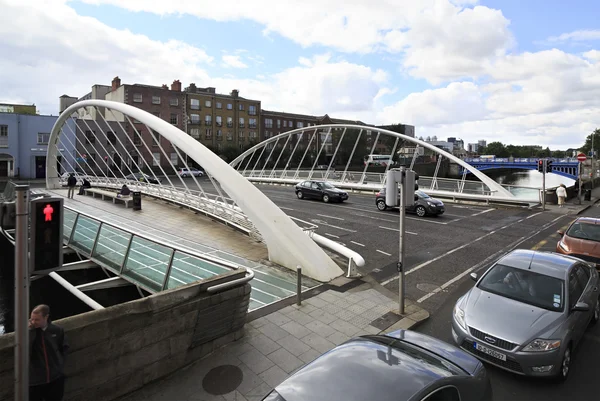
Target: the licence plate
(490, 352)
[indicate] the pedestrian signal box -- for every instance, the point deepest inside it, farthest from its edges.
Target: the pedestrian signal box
(46, 244)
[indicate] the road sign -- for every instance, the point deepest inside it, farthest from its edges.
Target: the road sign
(581, 157)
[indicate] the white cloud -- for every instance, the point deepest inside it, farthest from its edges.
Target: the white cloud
(233, 61)
(576, 36)
(441, 39)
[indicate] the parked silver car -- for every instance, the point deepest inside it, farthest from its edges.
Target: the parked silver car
(528, 312)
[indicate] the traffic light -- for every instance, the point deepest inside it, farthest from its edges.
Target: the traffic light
(410, 186)
(548, 165)
(46, 241)
(541, 166)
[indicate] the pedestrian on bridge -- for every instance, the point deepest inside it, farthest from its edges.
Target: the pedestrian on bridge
(71, 183)
(47, 350)
(561, 193)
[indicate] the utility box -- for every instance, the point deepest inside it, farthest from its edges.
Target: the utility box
(137, 200)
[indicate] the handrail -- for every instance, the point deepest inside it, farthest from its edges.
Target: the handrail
(232, 283)
(353, 257)
(158, 240)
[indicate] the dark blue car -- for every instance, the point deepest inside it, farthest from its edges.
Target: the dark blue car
(400, 366)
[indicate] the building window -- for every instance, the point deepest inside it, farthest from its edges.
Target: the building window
(195, 133)
(90, 137)
(252, 135)
(208, 133)
(111, 138)
(137, 97)
(268, 123)
(136, 139)
(174, 118)
(299, 124)
(229, 122)
(242, 147)
(219, 105)
(241, 106)
(155, 138)
(3, 136)
(241, 135)
(229, 136)
(174, 101)
(194, 104)
(208, 103)
(195, 118)
(174, 159)
(156, 159)
(278, 123)
(252, 110)
(252, 122)
(219, 121)
(219, 147)
(155, 99)
(241, 122)
(291, 124)
(208, 119)
(43, 138)
(229, 106)
(284, 124)
(219, 135)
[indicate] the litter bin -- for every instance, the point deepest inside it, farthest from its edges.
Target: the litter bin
(137, 200)
(587, 195)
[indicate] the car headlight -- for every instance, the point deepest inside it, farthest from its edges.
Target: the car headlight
(563, 246)
(459, 316)
(541, 345)
(430, 203)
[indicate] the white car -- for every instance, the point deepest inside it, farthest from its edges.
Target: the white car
(184, 172)
(65, 176)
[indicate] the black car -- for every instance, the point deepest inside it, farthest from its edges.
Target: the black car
(320, 190)
(424, 204)
(400, 366)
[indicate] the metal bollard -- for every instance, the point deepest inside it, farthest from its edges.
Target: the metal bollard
(299, 289)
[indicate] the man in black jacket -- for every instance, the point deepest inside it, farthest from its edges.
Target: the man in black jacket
(71, 183)
(47, 349)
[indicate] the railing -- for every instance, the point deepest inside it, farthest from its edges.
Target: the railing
(525, 160)
(354, 258)
(140, 258)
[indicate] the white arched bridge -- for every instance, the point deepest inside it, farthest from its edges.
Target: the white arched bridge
(118, 144)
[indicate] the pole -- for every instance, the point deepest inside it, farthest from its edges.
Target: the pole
(401, 247)
(299, 286)
(22, 294)
(593, 168)
(579, 188)
(544, 184)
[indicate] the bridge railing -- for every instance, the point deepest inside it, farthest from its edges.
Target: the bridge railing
(526, 160)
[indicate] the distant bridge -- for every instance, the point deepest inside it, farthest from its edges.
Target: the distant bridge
(568, 167)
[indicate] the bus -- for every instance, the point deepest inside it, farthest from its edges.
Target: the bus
(378, 160)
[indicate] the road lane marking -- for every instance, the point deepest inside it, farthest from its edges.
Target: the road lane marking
(330, 217)
(533, 215)
(357, 243)
(385, 253)
(539, 244)
(482, 212)
(420, 266)
(477, 266)
(397, 230)
(326, 224)
(331, 235)
(286, 208)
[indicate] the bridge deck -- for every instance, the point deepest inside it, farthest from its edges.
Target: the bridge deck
(147, 261)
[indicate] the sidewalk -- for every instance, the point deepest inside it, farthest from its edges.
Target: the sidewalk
(572, 206)
(277, 344)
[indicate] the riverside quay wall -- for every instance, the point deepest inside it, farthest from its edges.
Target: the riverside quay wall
(119, 349)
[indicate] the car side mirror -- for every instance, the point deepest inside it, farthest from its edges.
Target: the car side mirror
(561, 233)
(581, 307)
(473, 276)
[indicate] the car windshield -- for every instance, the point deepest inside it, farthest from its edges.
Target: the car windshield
(583, 230)
(422, 195)
(326, 185)
(525, 286)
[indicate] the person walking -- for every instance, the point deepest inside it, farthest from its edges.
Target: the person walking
(47, 351)
(71, 183)
(561, 193)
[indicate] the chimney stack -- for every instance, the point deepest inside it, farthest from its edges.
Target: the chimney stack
(164, 87)
(193, 88)
(116, 82)
(235, 93)
(176, 86)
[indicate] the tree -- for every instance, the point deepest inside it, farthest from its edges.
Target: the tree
(587, 147)
(229, 153)
(496, 148)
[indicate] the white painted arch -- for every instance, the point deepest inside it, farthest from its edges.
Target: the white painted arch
(287, 244)
(497, 189)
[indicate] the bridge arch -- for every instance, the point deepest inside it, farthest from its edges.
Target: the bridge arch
(287, 244)
(495, 188)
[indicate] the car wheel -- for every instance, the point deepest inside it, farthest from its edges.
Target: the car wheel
(326, 198)
(300, 195)
(381, 205)
(565, 365)
(184, 175)
(596, 315)
(420, 210)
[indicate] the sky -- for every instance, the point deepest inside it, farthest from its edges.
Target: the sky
(522, 72)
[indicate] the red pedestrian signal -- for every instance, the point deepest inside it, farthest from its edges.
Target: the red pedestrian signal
(46, 239)
(48, 210)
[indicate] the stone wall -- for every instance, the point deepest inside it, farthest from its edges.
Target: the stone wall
(121, 348)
